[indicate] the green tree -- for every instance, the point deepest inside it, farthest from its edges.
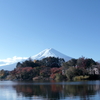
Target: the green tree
(58, 76)
(89, 62)
(70, 73)
(29, 63)
(52, 62)
(70, 63)
(18, 65)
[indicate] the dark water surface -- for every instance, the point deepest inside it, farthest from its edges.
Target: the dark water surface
(83, 90)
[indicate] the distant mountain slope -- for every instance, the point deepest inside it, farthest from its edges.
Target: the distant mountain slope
(43, 54)
(8, 67)
(50, 53)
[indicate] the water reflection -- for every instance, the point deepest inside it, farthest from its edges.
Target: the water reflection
(45, 91)
(86, 90)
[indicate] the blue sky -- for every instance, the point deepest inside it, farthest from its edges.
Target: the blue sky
(69, 26)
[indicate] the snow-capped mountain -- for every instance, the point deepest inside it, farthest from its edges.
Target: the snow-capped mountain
(43, 54)
(50, 53)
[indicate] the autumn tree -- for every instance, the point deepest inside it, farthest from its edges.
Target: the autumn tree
(81, 62)
(85, 62)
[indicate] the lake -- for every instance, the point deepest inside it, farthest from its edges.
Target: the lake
(80, 90)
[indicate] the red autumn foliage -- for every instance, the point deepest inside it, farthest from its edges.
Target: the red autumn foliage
(20, 70)
(45, 71)
(52, 76)
(24, 69)
(54, 71)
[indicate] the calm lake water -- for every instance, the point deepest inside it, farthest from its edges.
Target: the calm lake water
(83, 90)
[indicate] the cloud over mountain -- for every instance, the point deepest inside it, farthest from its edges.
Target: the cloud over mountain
(12, 60)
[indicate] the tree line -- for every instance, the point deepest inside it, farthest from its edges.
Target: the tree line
(50, 68)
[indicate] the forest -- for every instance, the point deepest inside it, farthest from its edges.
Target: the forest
(52, 68)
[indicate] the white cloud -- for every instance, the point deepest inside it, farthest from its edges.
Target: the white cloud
(11, 60)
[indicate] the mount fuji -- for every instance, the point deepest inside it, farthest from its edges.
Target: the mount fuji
(50, 53)
(43, 54)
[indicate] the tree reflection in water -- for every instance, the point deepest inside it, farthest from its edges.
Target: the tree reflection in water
(58, 91)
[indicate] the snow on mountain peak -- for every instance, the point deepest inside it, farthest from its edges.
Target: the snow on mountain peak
(50, 53)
